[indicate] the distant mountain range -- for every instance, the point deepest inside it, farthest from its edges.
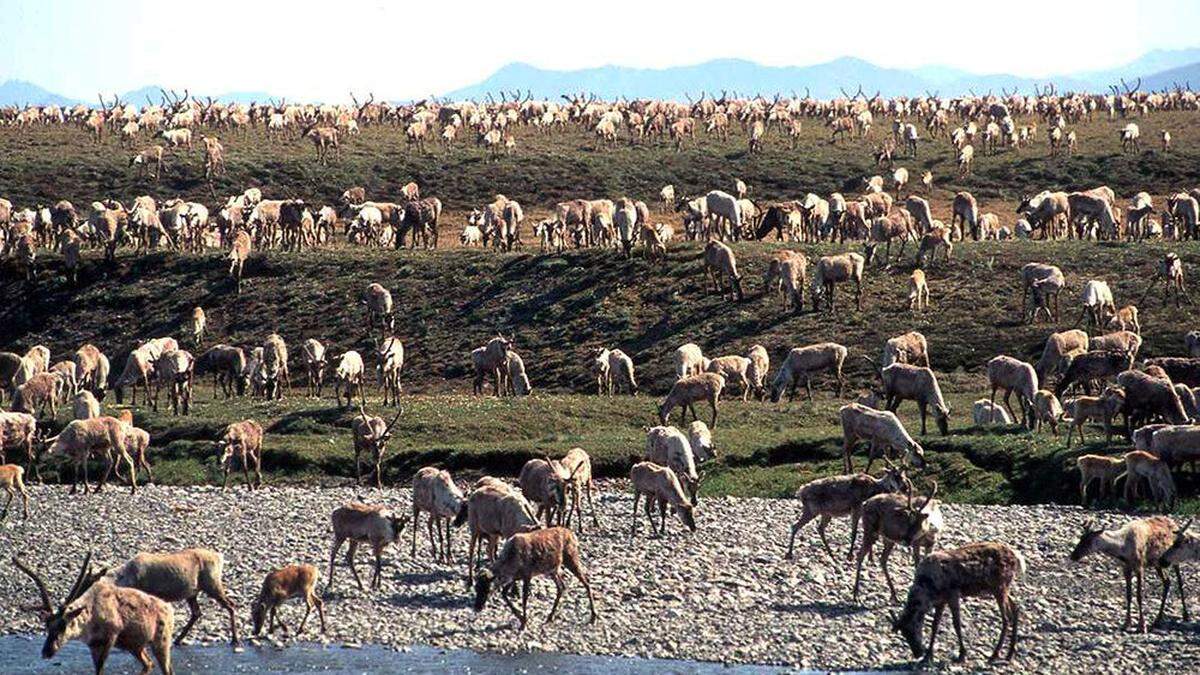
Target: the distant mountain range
(1151, 67)
(1158, 69)
(18, 92)
(1188, 75)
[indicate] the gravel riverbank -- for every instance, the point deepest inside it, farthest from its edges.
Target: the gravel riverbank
(724, 594)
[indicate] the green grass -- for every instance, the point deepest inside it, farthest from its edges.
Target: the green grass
(764, 449)
(561, 309)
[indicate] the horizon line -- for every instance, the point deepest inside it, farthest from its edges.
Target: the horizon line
(960, 74)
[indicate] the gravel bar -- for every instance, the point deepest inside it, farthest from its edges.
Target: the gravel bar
(724, 594)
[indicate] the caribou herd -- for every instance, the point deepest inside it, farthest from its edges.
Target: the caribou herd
(1089, 374)
(880, 209)
(543, 511)
(989, 121)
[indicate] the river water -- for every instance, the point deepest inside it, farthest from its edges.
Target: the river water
(22, 654)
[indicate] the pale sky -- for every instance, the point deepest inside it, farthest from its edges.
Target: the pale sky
(399, 50)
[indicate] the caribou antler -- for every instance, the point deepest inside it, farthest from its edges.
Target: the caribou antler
(37, 581)
(387, 433)
(928, 499)
(85, 579)
(79, 579)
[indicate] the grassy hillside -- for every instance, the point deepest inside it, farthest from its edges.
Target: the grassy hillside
(561, 309)
(51, 163)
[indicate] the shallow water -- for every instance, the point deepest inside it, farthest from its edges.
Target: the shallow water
(20, 654)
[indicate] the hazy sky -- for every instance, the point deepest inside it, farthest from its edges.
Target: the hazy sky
(411, 49)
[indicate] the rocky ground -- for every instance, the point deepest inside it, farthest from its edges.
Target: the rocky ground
(723, 594)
